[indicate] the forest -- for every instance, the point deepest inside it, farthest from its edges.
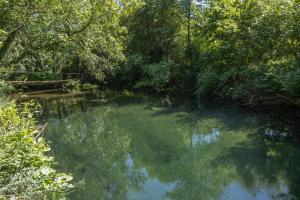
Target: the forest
(244, 51)
(238, 50)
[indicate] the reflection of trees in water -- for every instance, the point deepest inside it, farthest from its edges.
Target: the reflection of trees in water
(165, 150)
(203, 172)
(61, 108)
(93, 148)
(259, 160)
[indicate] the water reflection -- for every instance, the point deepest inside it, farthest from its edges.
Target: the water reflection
(139, 150)
(152, 188)
(236, 191)
(205, 138)
(94, 149)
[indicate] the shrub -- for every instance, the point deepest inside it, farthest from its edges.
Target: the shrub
(157, 75)
(25, 170)
(5, 88)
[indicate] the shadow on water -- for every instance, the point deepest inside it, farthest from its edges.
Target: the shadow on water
(131, 147)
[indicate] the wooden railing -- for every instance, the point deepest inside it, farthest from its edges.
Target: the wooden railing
(59, 83)
(17, 76)
(31, 79)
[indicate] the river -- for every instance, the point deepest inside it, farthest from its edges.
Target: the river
(136, 147)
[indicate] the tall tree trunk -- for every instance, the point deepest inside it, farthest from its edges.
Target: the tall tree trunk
(189, 50)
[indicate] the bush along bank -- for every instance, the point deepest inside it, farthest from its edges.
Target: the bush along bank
(26, 169)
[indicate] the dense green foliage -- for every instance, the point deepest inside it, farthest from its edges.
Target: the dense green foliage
(59, 36)
(25, 170)
(5, 88)
(231, 49)
(249, 49)
(153, 41)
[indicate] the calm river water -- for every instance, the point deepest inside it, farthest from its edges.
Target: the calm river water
(134, 147)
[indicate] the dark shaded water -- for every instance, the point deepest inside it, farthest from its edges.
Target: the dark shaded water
(132, 147)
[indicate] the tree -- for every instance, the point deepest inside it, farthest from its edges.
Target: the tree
(247, 50)
(153, 41)
(53, 35)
